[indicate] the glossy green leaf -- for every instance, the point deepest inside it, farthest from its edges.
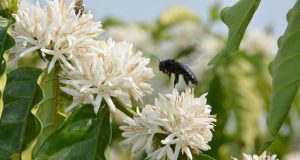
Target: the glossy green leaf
(6, 42)
(286, 72)
(265, 146)
(237, 19)
(104, 137)
(84, 135)
(18, 126)
(48, 108)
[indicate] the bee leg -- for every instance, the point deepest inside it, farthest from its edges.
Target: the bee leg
(186, 80)
(176, 79)
(169, 75)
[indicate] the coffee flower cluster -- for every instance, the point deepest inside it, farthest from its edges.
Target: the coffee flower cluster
(177, 123)
(92, 69)
(263, 156)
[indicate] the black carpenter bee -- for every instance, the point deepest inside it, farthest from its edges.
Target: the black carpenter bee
(170, 66)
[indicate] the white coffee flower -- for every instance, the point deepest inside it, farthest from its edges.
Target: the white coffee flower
(33, 29)
(111, 70)
(62, 51)
(52, 30)
(256, 157)
(66, 22)
(176, 123)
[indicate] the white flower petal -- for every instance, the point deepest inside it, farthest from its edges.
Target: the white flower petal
(110, 103)
(73, 105)
(177, 150)
(29, 50)
(188, 153)
(162, 153)
(97, 103)
(148, 145)
(51, 65)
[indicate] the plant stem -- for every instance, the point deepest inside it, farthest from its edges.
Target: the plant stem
(129, 112)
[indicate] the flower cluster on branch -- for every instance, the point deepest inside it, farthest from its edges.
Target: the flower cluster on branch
(263, 156)
(176, 123)
(91, 69)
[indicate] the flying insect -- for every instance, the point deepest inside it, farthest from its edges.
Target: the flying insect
(170, 66)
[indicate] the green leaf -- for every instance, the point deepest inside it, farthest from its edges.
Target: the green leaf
(4, 23)
(265, 146)
(237, 19)
(84, 135)
(286, 72)
(48, 108)
(18, 126)
(105, 134)
(6, 42)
